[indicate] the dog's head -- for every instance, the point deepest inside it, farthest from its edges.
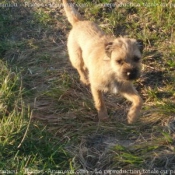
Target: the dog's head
(124, 55)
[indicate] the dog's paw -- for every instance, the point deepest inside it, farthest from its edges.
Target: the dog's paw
(103, 117)
(132, 115)
(131, 119)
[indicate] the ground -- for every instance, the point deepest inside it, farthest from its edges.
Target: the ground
(53, 115)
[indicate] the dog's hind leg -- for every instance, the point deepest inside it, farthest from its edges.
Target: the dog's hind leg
(75, 56)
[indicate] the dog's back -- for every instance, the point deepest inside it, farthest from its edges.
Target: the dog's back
(85, 35)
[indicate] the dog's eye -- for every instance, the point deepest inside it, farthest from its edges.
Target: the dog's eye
(119, 62)
(136, 59)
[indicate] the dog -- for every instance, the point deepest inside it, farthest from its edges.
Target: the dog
(106, 63)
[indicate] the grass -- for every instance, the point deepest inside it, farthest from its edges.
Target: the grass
(24, 144)
(48, 120)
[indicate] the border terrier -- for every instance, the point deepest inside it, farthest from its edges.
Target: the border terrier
(105, 62)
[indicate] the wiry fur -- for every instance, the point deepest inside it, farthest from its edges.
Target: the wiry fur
(104, 62)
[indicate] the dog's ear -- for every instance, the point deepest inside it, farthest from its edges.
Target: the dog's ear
(140, 45)
(108, 49)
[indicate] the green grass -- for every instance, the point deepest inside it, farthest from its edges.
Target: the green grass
(24, 144)
(47, 118)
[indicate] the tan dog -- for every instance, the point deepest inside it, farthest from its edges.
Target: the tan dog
(107, 63)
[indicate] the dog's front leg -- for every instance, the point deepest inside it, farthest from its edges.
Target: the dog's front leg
(99, 104)
(132, 95)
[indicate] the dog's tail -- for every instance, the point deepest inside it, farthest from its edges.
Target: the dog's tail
(72, 15)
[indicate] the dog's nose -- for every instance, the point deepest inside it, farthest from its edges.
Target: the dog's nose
(131, 74)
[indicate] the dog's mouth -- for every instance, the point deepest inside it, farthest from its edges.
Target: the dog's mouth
(131, 74)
